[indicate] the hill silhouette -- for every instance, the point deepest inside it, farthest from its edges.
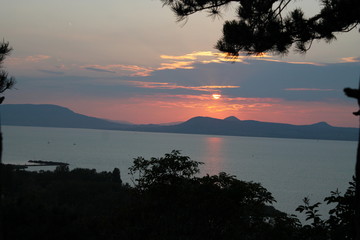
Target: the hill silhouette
(235, 127)
(57, 116)
(47, 115)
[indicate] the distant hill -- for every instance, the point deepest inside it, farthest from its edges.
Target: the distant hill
(235, 127)
(46, 115)
(56, 116)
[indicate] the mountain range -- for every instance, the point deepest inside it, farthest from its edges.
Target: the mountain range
(45, 115)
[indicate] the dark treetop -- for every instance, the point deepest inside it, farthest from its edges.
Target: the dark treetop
(267, 26)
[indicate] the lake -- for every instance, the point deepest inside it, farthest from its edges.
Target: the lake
(290, 169)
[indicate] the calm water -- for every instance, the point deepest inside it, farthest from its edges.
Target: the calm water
(289, 168)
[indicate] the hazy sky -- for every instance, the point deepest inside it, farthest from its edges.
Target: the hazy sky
(130, 60)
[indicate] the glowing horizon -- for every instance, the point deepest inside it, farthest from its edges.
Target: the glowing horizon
(156, 71)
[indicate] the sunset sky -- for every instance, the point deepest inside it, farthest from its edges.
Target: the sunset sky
(130, 60)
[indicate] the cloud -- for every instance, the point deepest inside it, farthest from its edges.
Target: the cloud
(309, 89)
(97, 69)
(190, 56)
(120, 69)
(163, 85)
(257, 89)
(177, 65)
(306, 63)
(261, 58)
(31, 59)
(187, 61)
(137, 70)
(204, 104)
(262, 79)
(37, 58)
(184, 57)
(252, 100)
(51, 72)
(202, 57)
(350, 59)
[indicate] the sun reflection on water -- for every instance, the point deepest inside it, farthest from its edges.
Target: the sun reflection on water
(214, 155)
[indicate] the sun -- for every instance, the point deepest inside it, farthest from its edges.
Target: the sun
(216, 96)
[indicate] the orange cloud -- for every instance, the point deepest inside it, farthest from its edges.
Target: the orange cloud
(223, 57)
(211, 61)
(188, 61)
(176, 65)
(160, 85)
(218, 57)
(214, 57)
(190, 56)
(185, 57)
(350, 59)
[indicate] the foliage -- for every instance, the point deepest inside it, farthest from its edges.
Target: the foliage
(164, 170)
(341, 221)
(266, 25)
(61, 204)
(5, 81)
(85, 204)
(177, 203)
(251, 193)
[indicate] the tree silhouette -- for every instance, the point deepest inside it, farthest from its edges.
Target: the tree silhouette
(340, 222)
(175, 204)
(173, 167)
(6, 82)
(269, 26)
(264, 25)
